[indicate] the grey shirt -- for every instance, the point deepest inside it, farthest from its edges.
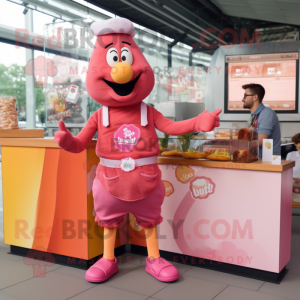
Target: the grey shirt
(268, 123)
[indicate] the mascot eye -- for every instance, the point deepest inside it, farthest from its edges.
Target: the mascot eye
(126, 55)
(112, 56)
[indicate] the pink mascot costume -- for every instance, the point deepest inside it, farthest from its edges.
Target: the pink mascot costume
(128, 177)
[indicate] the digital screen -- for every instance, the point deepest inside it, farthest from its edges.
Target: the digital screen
(276, 72)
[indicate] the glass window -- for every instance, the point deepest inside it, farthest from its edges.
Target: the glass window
(179, 83)
(39, 21)
(62, 90)
(11, 14)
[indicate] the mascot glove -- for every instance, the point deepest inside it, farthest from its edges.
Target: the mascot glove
(208, 121)
(63, 137)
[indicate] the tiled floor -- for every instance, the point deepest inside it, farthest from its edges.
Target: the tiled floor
(17, 281)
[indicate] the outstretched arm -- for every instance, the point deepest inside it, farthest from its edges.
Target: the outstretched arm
(76, 144)
(203, 123)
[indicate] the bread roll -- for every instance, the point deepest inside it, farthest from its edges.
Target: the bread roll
(241, 155)
(244, 134)
(8, 113)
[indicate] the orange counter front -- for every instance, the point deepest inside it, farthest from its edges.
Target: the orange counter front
(48, 201)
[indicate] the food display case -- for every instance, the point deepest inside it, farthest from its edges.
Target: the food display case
(218, 150)
(244, 151)
(223, 134)
(169, 143)
(226, 134)
(200, 148)
(181, 145)
(237, 145)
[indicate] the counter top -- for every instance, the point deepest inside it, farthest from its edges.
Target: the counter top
(254, 166)
(258, 165)
(22, 133)
(47, 142)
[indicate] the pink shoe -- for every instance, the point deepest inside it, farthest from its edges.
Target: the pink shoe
(101, 270)
(161, 269)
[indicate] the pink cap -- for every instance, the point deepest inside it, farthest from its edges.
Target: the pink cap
(113, 25)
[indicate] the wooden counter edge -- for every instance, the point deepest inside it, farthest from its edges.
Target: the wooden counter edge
(296, 205)
(254, 166)
(22, 133)
(32, 142)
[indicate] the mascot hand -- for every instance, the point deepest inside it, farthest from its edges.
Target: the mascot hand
(208, 121)
(63, 137)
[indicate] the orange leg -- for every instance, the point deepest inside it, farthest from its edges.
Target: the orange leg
(152, 242)
(109, 242)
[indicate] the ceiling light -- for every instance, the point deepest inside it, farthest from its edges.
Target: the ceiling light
(88, 20)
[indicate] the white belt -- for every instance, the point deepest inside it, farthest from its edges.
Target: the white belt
(128, 164)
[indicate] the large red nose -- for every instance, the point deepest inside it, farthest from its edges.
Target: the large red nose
(121, 72)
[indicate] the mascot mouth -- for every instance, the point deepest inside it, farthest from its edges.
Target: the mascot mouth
(123, 89)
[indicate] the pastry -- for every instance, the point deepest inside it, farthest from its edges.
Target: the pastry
(217, 137)
(193, 154)
(222, 134)
(241, 155)
(234, 134)
(253, 152)
(244, 134)
(199, 137)
(163, 149)
(209, 151)
(8, 113)
(213, 150)
(254, 134)
(171, 153)
(219, 155)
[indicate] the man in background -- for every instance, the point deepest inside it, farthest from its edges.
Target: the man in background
(263, 118)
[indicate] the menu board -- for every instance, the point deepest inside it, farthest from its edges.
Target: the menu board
(276, 72)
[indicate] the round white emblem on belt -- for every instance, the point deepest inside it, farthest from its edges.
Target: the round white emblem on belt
(127, 164)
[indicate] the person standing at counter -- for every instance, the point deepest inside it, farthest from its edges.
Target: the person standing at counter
(263, 118)
(295, 156)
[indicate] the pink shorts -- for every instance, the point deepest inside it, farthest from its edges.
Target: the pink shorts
(111, 211)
